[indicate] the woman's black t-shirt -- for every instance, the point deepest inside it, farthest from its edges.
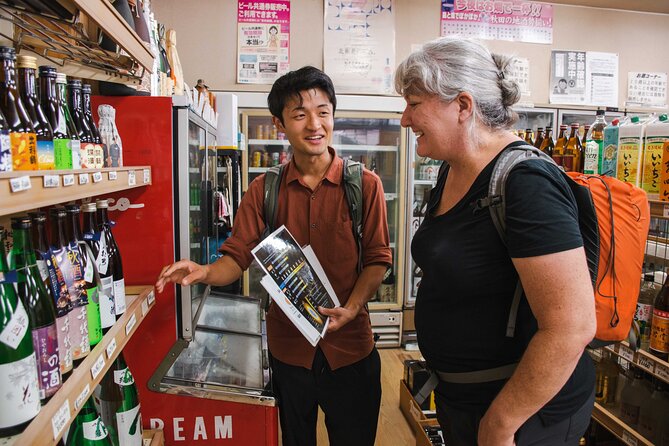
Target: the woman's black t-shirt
(465, 295)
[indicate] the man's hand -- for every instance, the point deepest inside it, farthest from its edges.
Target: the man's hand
(339, 316)
(183, 272)
(491, 433)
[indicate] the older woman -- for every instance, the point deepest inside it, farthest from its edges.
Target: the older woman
(536, 387)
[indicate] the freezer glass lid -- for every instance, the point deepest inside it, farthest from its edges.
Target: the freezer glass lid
(230, 312)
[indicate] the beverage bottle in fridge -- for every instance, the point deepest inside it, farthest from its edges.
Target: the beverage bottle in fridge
(97, 243)
(594, 145)
(521, 134)
(529, 137)
(21, 132)
(560, 144)
(39, 304)
(610, 150)
(68, 261)
(573, 151)
(547, 144)
(100, 149)
(586, 129)
(64, 113)
(88, 429)
(644, 308)
(659, 332)
(75, 103)
(633, 395)
(62, 149)
(607, 379)
(18, 369)
(540, 138)
(90, 274)
(649, 414)
(387, 287)
(119, 405)
(27, 66)
(105, 225)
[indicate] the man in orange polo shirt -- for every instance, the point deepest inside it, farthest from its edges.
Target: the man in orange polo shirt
(342, 373)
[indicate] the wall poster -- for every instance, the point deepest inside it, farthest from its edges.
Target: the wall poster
(647, 89)
(514, 20)
(263, 40)
(359, 45)
(584, 78)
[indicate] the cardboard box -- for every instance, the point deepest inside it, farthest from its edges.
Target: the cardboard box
(153, 437)
(407, 320)
(421, 436)
(410, 409)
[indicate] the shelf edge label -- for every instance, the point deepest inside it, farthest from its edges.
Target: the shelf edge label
(84, 178)
(662, 371)
(19, 184)
(629, 439)
(97, 177)
(113, 175)
(111, 348)
(131, 324)
(646, 363)
(60, 419)
(98, 366)
(626, 353)
(151, 297)
(83, 396)
(50, 181)
(665, 211)
(132, 180)
(147, 176)
(68, 180)
(145, 307)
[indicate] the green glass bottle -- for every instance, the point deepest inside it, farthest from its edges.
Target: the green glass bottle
(119, 405)
(88, 429)
(39, 303)
(19, 402)
(55, 114)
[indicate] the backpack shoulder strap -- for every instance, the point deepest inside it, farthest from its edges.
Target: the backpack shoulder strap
(271, 195)
(352, 177)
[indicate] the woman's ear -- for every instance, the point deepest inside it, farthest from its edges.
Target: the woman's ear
(466, 105)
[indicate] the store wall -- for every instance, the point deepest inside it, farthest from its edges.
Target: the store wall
(207, 33)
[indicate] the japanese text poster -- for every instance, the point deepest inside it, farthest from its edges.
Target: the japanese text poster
(520, 72)
(584, 78)
(647, 89)
(359, 45)
(514, 20)
(263, 40)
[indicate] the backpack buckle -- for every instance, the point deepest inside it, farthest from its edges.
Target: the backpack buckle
(488, 201)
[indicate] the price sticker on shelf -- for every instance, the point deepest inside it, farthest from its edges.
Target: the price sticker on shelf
(98, 366)
(60, 419)
(19, 184)
(83, 396)
(147, 176)
(50, 181)
(665, 211)
(626, 353)
(68, 180)
(111, 348)
(113, 175)
(131, 324)
(145, 307)
(151, 297)
(629, 439)
(662, 371)
(646, 363)
(84, 178)
(131, 178)
(97, 177)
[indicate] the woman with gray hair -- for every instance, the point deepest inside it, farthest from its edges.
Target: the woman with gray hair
(537, 386)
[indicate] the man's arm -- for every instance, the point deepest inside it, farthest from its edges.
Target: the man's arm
(559, 291)
(222, 272)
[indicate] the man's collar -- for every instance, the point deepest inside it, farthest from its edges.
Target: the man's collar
(333, 174)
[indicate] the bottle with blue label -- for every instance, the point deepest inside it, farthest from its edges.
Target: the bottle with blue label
(610, 150)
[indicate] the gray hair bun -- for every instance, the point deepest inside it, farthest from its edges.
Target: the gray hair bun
(509, 87)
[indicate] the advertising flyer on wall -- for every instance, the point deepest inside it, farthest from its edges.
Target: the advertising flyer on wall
(584, 78)
(296, 282)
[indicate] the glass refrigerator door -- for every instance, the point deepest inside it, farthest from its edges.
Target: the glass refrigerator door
(534, 119)
(583, 118)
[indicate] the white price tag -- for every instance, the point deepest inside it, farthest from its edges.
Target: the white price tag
(151, 297)
(131, 178)
(83, 396)
(629, 439)
(97, 177)
(60, 419)
(665, 211)
(626, 353)
(113, 175)
(84, 178)
(98, 366)
(646, 363)
(111, 348)
(68, 180)
(20, 184)
(662, 371)
(51, 181)
(145, 307)
(147, 176)
(131, 324)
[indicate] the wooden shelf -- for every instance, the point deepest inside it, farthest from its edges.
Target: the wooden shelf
(642, 359)
(614, 425)
(66, 403)
(35, 193)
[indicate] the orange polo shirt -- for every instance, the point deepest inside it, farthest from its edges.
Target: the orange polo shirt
(320, 218)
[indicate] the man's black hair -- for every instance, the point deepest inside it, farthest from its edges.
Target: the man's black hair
(292, 83)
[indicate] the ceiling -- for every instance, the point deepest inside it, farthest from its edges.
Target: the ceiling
(657, 6)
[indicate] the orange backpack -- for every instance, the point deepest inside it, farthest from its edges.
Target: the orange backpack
(613, 218)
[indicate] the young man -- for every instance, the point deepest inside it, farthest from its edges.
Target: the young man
(342, 374)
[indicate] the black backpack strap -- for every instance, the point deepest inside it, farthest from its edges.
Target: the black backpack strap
(271, 196)
(495, 202)
(352, 178)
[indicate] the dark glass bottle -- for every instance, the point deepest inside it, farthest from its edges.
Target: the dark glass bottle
(540, 138)
(62, 149)
(88, 429)
(659, 331)
(38, 301)
(5, 146)
(100, 150)
(119, 283)
(90, 274)
(547, 145)
(27, 66)
(560, 145)
(18, 369)
(74, 101)
(21, 132)
(119, 404)
(69, 263)
(64, 113)
(573, 151)
(98, 246)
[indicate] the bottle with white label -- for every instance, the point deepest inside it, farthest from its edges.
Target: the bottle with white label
(105, 226)
(88, 429)
(119, 405)
(19, 401)
(98, 246)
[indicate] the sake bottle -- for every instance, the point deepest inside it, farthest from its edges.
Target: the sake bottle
(88, 429)
(119, 405)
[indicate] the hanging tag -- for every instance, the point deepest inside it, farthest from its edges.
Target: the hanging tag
(147, 176)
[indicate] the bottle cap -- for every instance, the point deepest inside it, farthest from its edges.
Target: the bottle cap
(57, 212)
(74, 83)
(601, 112)
(7, 52)
(22, 222)
(635, 119)
(101, 204)
(663, 117)
(575, 125)
(88, 207)
(86, 88)
(47, 71)
(23, 61)
(72, 208)
(38, 216)
(615, 121)
(61, 78)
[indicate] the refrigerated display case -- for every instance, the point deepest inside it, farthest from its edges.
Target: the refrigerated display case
(534, 118)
